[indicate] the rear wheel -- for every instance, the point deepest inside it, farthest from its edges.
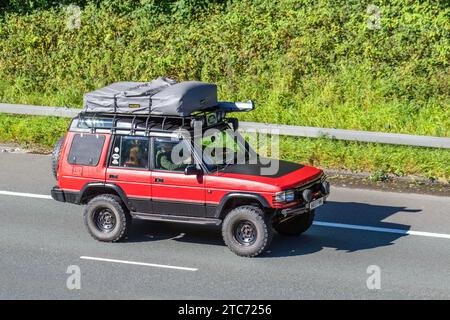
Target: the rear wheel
(296, 225)
(246, 231)
(106, 218)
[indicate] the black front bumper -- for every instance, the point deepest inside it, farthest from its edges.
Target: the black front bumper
(300, 208)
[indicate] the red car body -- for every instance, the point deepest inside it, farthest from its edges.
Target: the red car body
(86, 164)
(207, 190)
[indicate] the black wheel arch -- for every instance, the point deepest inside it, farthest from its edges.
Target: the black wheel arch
(92, 189)
(234, 199)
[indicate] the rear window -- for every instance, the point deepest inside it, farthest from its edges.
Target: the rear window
(88, 123)
(86, 149)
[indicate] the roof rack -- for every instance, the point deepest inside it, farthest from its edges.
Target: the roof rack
(152, 122)
(158, 122)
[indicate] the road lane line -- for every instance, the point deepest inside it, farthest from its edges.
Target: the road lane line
(385, 230)
(27, 195)
(139, 263)
(316, 223)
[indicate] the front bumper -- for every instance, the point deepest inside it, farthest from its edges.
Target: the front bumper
(300, 208)
(305, 196)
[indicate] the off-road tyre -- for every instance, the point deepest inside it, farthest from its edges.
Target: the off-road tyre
(106, 218)
(246, 231)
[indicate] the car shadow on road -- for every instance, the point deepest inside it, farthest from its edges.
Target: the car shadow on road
(143, 231)
(315, 239)
(342, 239)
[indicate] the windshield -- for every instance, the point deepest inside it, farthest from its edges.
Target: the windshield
(221, 148)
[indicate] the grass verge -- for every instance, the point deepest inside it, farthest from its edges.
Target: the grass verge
(41, 133)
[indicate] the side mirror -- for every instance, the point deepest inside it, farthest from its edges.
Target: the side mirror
(192, 169)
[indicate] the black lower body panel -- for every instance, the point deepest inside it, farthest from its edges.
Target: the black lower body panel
(179, 208)
(64, 196)
(173, 218)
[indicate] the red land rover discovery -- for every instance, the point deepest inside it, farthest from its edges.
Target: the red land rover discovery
(190, 169)
(123, 168)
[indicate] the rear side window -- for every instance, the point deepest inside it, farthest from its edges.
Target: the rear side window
(86, 149)
(130, 152)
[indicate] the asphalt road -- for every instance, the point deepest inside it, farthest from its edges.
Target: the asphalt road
(406, 235)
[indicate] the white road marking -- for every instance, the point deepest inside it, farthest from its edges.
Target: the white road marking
(27, 195)
(181, 235)
(385, 230)
(139, 263)
(316, 223)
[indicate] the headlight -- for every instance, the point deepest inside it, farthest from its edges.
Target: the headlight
(285, 196)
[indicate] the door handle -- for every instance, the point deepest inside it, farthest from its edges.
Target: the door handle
(159, 180)
(114, 176)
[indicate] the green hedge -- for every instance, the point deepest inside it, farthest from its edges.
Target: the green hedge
(306, 62)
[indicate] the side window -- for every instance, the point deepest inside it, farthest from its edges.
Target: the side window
(171, 154)
(130, 152)
(86, 149)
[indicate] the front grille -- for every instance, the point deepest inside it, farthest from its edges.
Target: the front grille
(315, 186)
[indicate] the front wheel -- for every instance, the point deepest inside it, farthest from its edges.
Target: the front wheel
(296, 225)
(106, 218)
(246, 231)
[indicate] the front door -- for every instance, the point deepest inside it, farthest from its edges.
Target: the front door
(129, 169)
(173, 192)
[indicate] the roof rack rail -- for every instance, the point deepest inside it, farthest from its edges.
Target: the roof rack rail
(151, 122)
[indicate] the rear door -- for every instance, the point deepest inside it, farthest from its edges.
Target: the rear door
(128, 168)
(173, 192)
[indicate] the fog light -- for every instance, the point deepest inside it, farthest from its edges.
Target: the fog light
(307, 195)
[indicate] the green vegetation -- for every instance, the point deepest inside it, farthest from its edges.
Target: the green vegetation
(41, 133)
(314, 63)
(379, 159)
(32, 132)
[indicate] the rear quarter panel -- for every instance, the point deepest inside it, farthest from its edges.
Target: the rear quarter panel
(74, 177)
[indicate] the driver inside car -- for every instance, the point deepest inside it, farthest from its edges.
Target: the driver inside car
(164, 158)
